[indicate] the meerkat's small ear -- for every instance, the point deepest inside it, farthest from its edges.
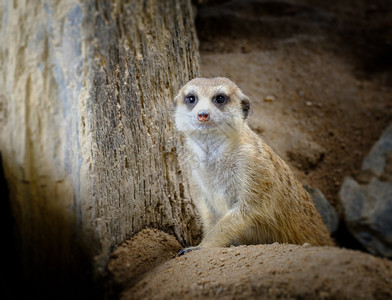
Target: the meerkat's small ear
(245, 105)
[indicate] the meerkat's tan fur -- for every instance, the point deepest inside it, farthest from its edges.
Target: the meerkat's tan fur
(245, 193)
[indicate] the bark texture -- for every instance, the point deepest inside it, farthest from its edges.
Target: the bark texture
(87, 134)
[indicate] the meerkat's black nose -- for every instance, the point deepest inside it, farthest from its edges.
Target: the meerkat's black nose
(203, 116)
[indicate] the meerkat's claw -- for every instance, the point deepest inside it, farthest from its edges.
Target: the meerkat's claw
(181, 252)
(186, 250)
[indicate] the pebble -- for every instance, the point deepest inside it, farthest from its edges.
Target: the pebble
(269, 98)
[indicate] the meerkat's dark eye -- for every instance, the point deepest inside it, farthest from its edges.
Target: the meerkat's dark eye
(191, 99)
(221, 99)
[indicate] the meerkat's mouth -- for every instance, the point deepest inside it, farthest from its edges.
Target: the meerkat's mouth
(204, 126)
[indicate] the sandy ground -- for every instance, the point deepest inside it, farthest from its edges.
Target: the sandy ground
(320, 83)
(138, 270)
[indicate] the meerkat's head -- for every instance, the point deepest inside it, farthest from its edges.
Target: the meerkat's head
(213, 105)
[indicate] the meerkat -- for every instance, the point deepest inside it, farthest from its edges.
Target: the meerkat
(244, 192)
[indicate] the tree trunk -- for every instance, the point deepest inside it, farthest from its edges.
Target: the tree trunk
(87, 127)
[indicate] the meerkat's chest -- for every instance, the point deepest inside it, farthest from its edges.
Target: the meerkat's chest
(216, 170)
(218, 182)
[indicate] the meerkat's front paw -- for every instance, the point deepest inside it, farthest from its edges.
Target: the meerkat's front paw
(186, 250)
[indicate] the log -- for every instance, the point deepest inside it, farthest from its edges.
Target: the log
(87, 130)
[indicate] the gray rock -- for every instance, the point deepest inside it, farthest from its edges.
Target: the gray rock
(380, 155)
(327, 212)
(367, 206)
(368, 214)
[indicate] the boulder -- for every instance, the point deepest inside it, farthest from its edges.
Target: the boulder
(379, 160)
(367, 205)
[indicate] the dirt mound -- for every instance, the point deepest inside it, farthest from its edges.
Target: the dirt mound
(135, 257)
(277, 271)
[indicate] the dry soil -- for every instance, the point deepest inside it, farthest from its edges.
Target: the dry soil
(138, 270)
